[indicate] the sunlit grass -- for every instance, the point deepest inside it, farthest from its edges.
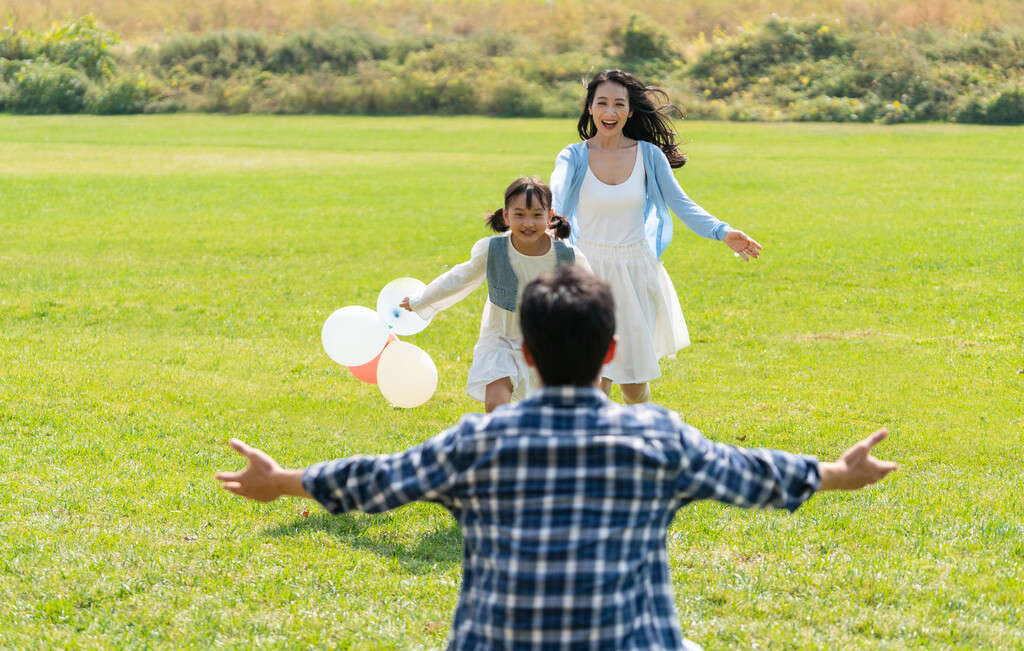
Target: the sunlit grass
(163, 284)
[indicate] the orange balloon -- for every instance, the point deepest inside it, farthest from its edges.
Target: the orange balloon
(368, 372)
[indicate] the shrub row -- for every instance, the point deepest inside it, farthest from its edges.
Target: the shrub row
(69, 69)
(780, 70)
(813, 71)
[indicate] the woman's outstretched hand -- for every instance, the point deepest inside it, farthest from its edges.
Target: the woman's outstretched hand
(742, 245)
(404, 303)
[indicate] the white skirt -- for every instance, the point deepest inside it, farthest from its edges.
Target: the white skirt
(496, 359)
(648, 318)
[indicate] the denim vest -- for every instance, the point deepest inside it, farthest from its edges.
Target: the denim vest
(502, 281)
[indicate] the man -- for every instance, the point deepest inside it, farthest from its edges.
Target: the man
(564, 498)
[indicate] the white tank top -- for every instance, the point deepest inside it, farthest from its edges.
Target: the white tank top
(613, 214)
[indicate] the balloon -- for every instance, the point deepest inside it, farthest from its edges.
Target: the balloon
(368, 372)
(354, 335)
(406, 375)
(400, 319)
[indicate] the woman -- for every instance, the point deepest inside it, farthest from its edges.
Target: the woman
(616, 187)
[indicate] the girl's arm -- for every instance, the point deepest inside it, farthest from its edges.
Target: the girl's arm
(454, 285)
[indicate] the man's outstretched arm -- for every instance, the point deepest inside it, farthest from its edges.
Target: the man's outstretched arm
(766, 478)
(263, 480)
(856, 468)
(368, 483)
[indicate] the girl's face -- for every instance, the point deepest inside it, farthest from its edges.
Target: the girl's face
(528, 225)
(610, 108)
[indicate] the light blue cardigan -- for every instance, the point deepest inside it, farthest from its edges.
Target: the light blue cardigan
(663, 192)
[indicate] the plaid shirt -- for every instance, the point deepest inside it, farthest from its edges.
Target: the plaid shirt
(564, 500)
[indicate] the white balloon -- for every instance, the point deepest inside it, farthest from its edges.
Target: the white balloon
(406, 375)
(354, 335)
(401, 320)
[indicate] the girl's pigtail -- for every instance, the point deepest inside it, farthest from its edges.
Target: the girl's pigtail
(496, 220)
(559, 225)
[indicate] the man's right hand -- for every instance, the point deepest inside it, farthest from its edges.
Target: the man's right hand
(856, 468)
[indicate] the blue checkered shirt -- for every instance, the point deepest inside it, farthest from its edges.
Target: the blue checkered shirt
(564, 500)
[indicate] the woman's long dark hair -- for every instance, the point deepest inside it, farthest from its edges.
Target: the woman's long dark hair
(534, 189)
(648, 121)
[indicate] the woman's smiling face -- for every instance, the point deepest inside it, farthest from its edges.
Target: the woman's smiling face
(610, 108)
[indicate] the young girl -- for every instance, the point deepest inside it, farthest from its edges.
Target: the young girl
(523, 251)
(616, 188)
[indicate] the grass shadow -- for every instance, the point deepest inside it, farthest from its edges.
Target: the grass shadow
(384, 535)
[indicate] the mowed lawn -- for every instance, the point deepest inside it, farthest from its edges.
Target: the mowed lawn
(163, 281)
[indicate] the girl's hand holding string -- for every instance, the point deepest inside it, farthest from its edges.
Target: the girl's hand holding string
(404, 303)
(742, 245)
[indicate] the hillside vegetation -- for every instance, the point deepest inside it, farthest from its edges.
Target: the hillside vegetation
(848, 62)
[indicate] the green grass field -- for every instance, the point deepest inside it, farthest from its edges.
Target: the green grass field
(163, 281)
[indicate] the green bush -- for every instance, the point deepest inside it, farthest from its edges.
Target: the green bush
(1004, 107)
(448, 91)
(562, 100)
(17, 45)
(890, 66)
(40, 86)
(513, 98)
(558, 69)
(449, 56)
(403, 46)
(77, 44)
(8, 68)
(1007, 107)
(829, 109)
(501, 44)
(893, 113)
(81, 45)
(644, 41)
(990, 48)
(336, 50)
(124, 95)
(750, 55)
(215, 54)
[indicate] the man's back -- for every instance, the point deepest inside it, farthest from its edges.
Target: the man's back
(564, 502)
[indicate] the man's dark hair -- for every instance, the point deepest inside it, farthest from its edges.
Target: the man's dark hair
(568, 321)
